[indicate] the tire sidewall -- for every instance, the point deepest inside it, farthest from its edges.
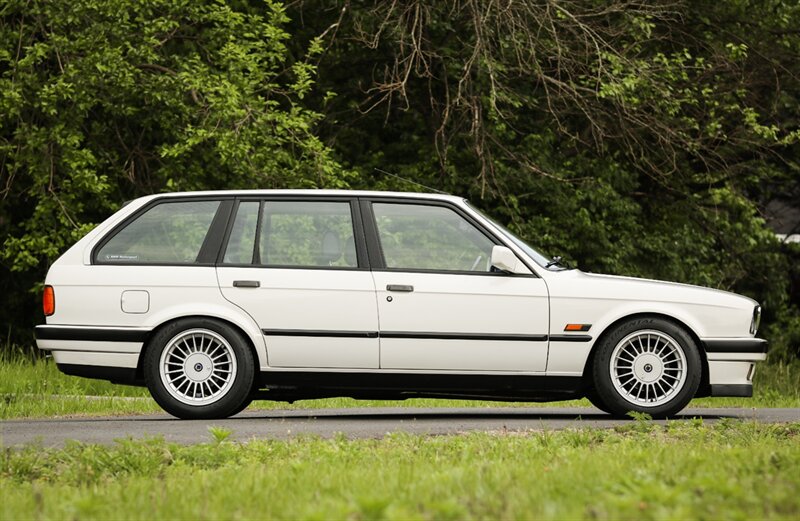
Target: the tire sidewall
(602, 375)
(228, 404)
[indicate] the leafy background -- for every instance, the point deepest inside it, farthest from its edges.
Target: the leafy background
(644, 139)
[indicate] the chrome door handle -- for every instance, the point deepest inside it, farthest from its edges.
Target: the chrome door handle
(246, 284)
(399, 287)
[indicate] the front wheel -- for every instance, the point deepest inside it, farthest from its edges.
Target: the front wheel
(199, 368)
(647, 365)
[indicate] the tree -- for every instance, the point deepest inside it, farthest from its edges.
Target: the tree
(104, 101)
(639, 138)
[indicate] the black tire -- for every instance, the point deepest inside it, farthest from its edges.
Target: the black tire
(232, 397)
(594, 398)
(625, 334)
(242, 407)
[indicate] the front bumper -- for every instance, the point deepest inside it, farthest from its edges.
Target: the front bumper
(735, 345)
(731, 365)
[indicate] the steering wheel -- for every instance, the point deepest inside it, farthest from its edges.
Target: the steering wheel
(477, 261)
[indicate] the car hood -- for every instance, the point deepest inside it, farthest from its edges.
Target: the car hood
(632, 288)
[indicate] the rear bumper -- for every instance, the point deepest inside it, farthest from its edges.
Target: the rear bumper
(91, 334)
(95, 352)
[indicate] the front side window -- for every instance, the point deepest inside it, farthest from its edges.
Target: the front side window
(168, 233)
(293, 234)
(415, 236)
(533, 253)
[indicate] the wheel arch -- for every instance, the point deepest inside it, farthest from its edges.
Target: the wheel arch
(704, 379)
(155, 330)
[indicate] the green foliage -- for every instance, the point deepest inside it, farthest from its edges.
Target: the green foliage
(685, 470)
(219, 434)
(641, 139)
(104, 101)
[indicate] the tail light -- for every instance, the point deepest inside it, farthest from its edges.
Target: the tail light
(48, 301)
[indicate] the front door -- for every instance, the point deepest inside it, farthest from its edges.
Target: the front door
(441, 306)
(294, 267)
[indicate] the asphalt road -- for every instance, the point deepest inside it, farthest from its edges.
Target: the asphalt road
(353, 423)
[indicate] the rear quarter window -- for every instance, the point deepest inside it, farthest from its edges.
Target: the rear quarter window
(167, 233)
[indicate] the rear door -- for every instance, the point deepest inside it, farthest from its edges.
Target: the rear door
(441, 306)
(298, 267)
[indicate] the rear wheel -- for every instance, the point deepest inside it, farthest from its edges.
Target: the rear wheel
(647, 365)
(199, 368)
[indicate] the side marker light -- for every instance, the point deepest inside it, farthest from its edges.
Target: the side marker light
(578, 327)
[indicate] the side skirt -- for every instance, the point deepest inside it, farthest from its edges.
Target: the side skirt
(115, 375)
(291, 386)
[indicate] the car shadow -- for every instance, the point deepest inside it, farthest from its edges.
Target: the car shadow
(436, 415)
(401, 415)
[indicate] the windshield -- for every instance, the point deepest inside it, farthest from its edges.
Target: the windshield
(534, 254)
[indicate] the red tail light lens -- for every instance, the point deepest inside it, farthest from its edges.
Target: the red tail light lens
(48, 301)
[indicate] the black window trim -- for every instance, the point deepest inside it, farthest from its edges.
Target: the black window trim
(378, 262)
(255, 258)
(368, 250)
(216, 233)
(147, 207)
(355, 216)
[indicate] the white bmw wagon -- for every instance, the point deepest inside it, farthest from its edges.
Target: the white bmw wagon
(214, 299)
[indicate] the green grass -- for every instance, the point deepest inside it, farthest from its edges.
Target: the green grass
(686, 470)
(31, 389)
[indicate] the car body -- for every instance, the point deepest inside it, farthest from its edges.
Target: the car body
(213, 299)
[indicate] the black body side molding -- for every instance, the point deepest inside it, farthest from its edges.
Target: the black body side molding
(427, 335)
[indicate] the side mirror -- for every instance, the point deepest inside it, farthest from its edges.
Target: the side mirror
(505, 260)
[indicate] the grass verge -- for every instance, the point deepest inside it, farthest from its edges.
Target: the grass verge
(686, 470)
(30, 389)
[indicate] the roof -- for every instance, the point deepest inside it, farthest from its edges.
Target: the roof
(340, 193)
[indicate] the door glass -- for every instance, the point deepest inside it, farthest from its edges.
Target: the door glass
(307, 234)
(168, 233)
(243, 235)
(415, 236)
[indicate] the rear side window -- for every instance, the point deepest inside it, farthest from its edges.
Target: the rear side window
(312, 234)
(168, 233)
(241, 244)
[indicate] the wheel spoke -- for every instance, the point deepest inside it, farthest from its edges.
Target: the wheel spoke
(214, 349)
(198, 366)
(641, 356)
